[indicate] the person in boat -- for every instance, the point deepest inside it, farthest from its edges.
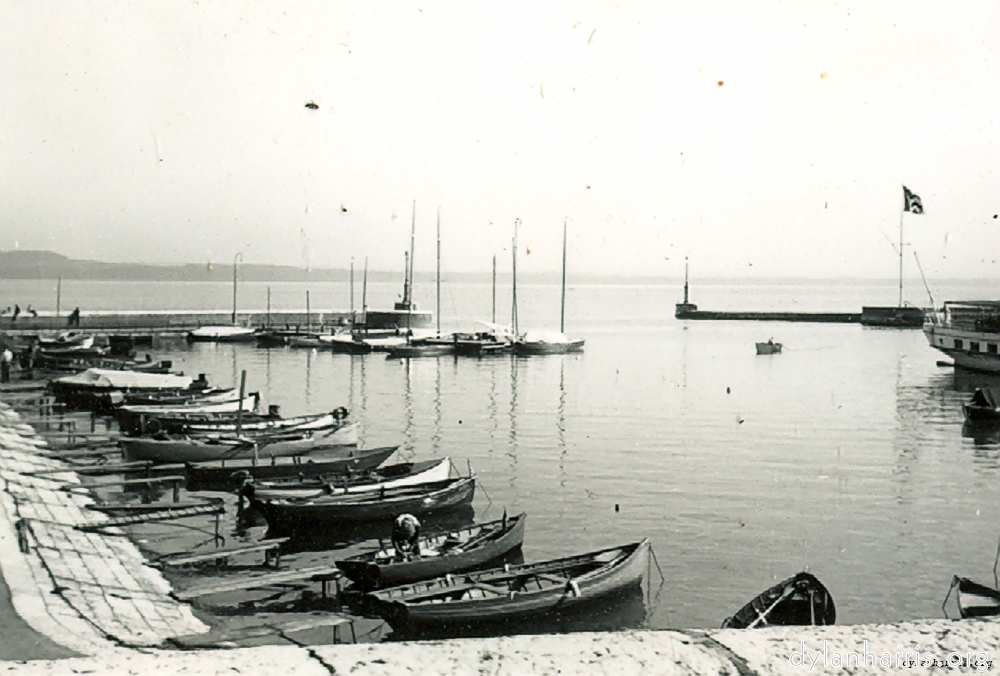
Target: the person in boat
(405, 536)
(31, 311)
(5, 361)
(17, 311)
(74, 318)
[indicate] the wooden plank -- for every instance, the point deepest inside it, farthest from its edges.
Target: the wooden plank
(319, 574)
(143, 481)
(182, 558)
(161, 515)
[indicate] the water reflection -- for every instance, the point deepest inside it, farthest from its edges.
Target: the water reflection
(561, 423)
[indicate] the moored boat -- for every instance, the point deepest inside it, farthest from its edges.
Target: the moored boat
(770, 347)
(223, 334)
(984, 407)
(94, 388)
(537, 342)
(799, 600)
(974, 599)
(404, 474)
(438, 554)
(229, 475)
(453, 605)
(163, 447)
(968, 332)
(290, 515)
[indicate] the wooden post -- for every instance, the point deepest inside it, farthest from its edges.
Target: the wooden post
(239, 410)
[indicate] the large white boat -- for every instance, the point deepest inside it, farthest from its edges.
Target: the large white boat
(967, 331)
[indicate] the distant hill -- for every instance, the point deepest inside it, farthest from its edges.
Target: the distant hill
(48, 265)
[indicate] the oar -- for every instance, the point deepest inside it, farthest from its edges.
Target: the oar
(762, 617)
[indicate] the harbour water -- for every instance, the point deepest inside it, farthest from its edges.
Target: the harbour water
(845, 455)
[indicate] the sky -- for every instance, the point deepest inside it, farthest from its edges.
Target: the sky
(760, 138)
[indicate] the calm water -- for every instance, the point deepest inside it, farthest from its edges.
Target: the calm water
(845, 455)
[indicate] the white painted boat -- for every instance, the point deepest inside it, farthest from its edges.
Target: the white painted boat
(437, 471)
(223, 404)
(223, 334)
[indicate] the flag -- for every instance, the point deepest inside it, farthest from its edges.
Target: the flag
(911, 202)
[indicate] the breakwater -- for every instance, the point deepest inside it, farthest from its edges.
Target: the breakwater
(890, 317)
(181, 321)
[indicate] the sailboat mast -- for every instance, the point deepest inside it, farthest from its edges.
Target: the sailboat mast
(685, 280)
(901, 258)
(494, 320)
(438, 307)
(364, 292)
(562, 308)
(413, 231)
(513, 282)
(352, 290)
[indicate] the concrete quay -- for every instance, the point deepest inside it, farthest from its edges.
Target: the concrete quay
(94, 593)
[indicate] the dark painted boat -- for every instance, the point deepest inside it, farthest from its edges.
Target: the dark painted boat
(449, 552)
(974, 599)
(801, 600)
(229, 475)
(770, 347)
(458, 604)
(95, 388)
(291, 515)
(984, 407)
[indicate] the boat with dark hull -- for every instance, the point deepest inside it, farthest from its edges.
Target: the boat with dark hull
(290, 515)
(453, 551)
(974, 599)
(984, 407)
(454, 605)
(801, 600)
(101, 389)
(968, 332)
(770, 347)
(336, 466)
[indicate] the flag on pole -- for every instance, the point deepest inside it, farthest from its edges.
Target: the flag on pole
(911, 202)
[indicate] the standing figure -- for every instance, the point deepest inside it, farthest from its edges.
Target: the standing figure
(17, 311)
(5, 361)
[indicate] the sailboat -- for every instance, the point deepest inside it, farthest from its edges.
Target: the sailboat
(537, 342)
(424, 347)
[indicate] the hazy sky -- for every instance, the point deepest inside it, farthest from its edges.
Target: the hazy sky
(764, 138)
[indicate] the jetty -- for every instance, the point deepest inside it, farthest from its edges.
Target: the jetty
(901, 317)
(180, 322)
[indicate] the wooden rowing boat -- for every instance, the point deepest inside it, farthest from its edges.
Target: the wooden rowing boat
(456, 604)
(440, 553)
(404, 474)
(229, 475)
(289, 515)
(976, 600)
(799, 600)
(164, 447)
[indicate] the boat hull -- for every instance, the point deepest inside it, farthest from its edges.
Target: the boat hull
(535, 348)
(798, 601)
(968, 332)
(424, 472)
(202, 449)
(229, 475)
(455, 617)
(976, 600)
(289, 516)
(379, 569)
(768, 348)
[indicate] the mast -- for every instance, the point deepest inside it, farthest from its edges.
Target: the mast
(494, 320)
(438, 310)
(513, 282)
(901, 258)
(685, 280)
(364, 292)
(352, 290)
(562, 309)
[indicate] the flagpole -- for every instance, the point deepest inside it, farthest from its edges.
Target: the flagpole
(901, 257)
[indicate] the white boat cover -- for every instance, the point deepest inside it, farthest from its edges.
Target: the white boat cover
(112, 379)
(552, 337)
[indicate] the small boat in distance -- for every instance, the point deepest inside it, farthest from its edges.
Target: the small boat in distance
(801, 600)
(770, 347)
(984, 407)
(222, 334)
(459, 604)
(441, 553)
